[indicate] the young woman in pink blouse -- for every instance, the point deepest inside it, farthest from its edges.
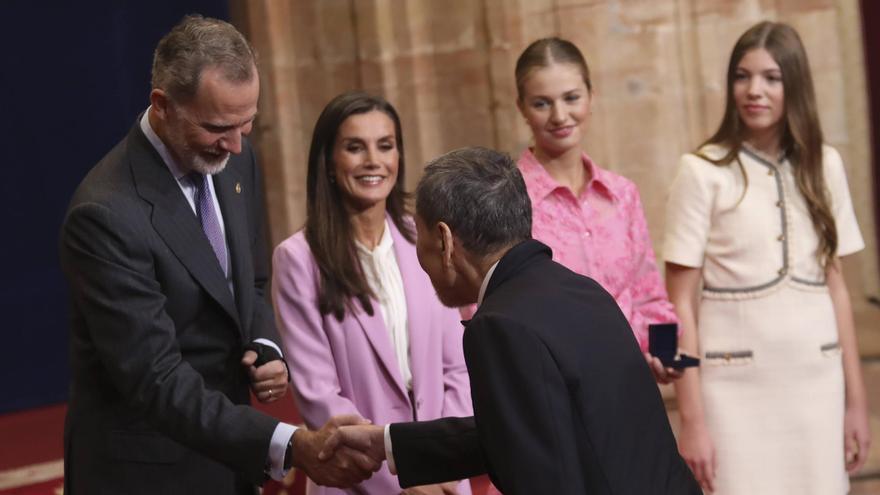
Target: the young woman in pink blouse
(590, 217)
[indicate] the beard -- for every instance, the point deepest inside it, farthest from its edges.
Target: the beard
(206, 162)
(208, 167)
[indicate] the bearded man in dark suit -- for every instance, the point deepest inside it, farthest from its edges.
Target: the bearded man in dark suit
(163, 248)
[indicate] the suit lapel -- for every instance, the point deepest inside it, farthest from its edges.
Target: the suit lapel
(228, 187)
(514, 261)
(175, 221)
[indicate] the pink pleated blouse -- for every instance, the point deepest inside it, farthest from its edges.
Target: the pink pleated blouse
(602, 233)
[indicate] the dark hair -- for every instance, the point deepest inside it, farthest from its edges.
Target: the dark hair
(195, 44)
(545, 52)
(801, 135)
(328, 226)
(481, 195)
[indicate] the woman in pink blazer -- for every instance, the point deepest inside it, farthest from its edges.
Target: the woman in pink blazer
(361, 324)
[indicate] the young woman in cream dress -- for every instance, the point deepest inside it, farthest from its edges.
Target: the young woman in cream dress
(758, 219)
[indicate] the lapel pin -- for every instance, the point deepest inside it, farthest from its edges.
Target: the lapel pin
(238, 188)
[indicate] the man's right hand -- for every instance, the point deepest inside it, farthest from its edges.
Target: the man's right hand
(366, 438)
(345, 466)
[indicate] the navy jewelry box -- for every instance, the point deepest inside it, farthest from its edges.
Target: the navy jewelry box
(663, 343)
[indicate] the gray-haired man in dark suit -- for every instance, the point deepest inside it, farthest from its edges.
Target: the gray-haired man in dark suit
(564, 402)
(163, 248)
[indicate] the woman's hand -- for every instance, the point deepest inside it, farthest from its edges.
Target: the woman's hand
(697, 449)
(661, 374)
(856, 433)
(856, 437)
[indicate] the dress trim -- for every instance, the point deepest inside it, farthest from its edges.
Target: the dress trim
(831, 346)
(813, 283)
(728, 355)
(781, 274)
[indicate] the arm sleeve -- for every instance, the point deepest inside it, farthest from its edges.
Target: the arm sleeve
(306, 345)
(282, 435)
(849, 238)
(650, 301)
(428, 452)
(110, 269)
(688, 215)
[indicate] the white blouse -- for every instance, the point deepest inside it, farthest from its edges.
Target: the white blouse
(383, 276)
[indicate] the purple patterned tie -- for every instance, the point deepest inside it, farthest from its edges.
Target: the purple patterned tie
(208, 217)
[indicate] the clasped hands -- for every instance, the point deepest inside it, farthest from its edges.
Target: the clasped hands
(352, 450)
(344, 452)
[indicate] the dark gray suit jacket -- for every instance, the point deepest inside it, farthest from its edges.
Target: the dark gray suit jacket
(158, 398)
(564, 402)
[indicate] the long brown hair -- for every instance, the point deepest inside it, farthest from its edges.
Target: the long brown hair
(328, 226)
(801, 135)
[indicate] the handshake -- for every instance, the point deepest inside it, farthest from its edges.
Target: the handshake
(344, 452)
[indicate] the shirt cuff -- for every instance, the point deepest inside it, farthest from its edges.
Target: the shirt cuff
(389, 455)
(282, 435)
(270, 344)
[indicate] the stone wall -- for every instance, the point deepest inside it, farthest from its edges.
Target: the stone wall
(658, 68)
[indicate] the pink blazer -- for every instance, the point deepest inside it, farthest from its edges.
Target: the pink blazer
(349, 367)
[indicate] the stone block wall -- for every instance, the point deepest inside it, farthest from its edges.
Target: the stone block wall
(658, 68)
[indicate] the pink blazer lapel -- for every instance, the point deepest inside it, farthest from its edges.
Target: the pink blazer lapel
(377, 333)
(417, 292)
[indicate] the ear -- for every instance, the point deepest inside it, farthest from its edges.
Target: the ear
(160, 102)
(521, 105)
(444, 233)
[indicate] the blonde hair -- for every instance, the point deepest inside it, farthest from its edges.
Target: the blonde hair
(545, 52)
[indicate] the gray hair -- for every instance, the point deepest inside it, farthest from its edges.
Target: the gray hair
(197, 43)
(481, 195)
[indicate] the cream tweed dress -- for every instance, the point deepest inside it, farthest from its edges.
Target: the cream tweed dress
(772, 376)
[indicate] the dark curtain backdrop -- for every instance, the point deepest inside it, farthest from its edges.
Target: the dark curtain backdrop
(74, 77)
(870, 17)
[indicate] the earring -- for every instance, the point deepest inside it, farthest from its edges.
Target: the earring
(333, 178)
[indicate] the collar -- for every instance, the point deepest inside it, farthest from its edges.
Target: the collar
(384, 246)
(515, 260)
(157, 143)
(486, 282)
(540, 183)
(761, 156)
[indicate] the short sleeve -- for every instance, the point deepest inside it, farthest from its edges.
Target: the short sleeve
(849, 238)
(688, 214)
